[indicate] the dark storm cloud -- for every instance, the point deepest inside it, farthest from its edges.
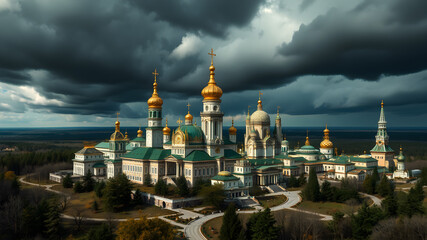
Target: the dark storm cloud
(213, 17)
(14, 77)
(376, 38)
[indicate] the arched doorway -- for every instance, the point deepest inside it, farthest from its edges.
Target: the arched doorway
(164, 205)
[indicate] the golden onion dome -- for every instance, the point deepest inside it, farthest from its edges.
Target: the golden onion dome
(224, 173)
(326, 143)
(232, 130)
(212, 91)
(155, 101)
(166, 129)
(139, 133)
(117, 135)
(189, 117)
(307, 141)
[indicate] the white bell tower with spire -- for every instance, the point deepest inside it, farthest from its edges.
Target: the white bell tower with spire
(154, 133)
(211, 115)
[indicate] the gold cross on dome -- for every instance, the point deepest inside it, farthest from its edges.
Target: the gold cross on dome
(188, 106)
(278, 107)
(179, 121)
(249, 106)
(118, 116)
(212, 55)
(155, 73)
(260, 94)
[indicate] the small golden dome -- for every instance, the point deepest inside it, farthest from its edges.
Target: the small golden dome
(212, 91)
(155, 101)
(224, 173)
(307, 141)
(139, 133)
(326, 144)
(166, 129)
(189, 117)
(232, 130)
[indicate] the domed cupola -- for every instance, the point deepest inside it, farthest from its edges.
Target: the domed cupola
(326, 143)
(260, 116)
(155, 101)
(117, 135)
(212, 91)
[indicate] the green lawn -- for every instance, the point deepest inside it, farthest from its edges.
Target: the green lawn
(271, 201)
(329, 208)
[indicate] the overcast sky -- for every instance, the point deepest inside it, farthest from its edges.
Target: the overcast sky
(77, 63)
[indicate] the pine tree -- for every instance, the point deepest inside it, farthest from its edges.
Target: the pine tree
(369, 184)
(375, 175)
(414, 202)
(365, 219)
(78, 187)
(147, 180)
(231, 226)
(183, 189)
(293, 182)
(390, 205)
(161, 188)
(423, 177)
(264, 227)
(99, 188)
(311, 191)
(302, 180)
(326, 191)
(117, 193)
(67, 182)
(53, 221)
(88, 182)
(384, 187)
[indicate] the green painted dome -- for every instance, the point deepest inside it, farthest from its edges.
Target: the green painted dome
(194, 133)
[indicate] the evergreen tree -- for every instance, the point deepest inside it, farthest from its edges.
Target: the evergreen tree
(385, 187)
(293, 182)
(183, 189)
(101, 232)
(88, 182)
(375, 175)
(365, 219)
(326, 191)
(311, 191)
(78, 187)
(99, 188)
(302, 180)
(414, 202)
(53, 221)
(137, 197)
(369, 185)
(390, 205)
(161, 188)
(423, 176)
(117, 193)
(67, 182)
(15, 186)
(231, 226)
(147, 180)
(264, 227)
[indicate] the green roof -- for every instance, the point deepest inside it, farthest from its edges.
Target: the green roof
(198, 155)
(129, 147)
(290, 167)
(308, 147)
(103, 145)
(167, 143)
(195, 133)
(138, 139)
(382, 148)
(282, 156)
(145, 153)
(267, 167)
(231, 154)
(225, 178)
(177, 156)
(264, 161)
(99, 165)
(359, 159)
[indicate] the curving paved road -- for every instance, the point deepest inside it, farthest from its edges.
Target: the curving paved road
(193, 229)
(376, 200)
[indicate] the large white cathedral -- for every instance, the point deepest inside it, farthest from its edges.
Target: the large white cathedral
(201, 152)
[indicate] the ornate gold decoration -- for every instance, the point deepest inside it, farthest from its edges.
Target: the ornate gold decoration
(307, 141)
(166, 129)
(232, 130)
(117, 135)
(326, 143)
(155, 101)
(382, 103)
(212, 91)
(189, 117)
(179, 121)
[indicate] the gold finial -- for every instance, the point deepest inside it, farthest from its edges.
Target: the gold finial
(259, 107)
(155, 73)
(179, 121)
(382, 103)
(336, 151)
(307, 141)
(117, 113)
(166, 122)
(212, 55)
(249, 106)
(278, 107)
(232, 122)
(401, 149)
(117, 123)
(259, 95)
(188, 106)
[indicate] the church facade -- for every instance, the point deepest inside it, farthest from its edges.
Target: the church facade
(202, 153)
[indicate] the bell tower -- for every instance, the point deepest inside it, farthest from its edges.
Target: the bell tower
(154, 133)
(211, 115)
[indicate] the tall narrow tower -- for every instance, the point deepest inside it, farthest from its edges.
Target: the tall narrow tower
(326, 146)
(278, 131)
(382, 151)
(154, 130)
(211, 114)
(232, 131)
